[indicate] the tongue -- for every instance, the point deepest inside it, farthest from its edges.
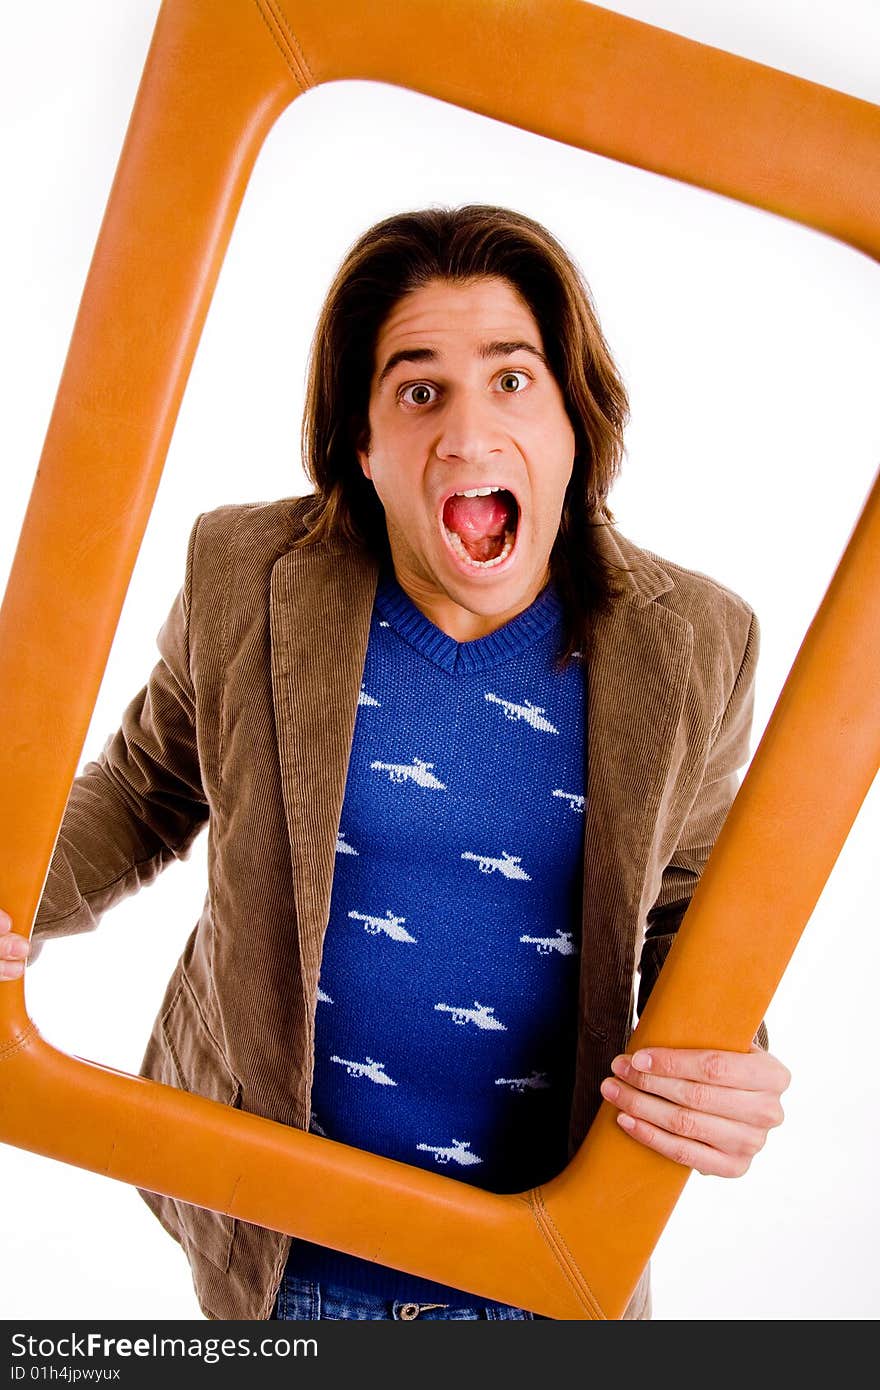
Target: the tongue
(480, 522)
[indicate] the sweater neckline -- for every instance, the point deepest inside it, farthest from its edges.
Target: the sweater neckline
(514, 636)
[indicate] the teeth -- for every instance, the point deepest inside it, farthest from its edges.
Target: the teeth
(457, 545)
(478, 492)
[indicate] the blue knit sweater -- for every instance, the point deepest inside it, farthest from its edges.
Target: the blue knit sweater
(445, 1023)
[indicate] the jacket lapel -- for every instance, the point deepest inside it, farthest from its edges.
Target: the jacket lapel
(636, 683)
(321, 600)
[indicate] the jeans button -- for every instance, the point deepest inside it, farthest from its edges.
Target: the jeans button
(409, 1311)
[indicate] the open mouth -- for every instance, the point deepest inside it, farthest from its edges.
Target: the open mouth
(480, 525)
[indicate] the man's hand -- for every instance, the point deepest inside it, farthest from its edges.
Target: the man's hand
(14, 950)
(706, 1109)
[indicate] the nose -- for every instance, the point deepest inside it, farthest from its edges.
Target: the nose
(470, 431)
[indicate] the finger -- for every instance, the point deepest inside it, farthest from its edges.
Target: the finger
(761, 1108)
(737, 1139)
(690, 1153)
(14, 947)
(747, 1071)
(14, 950)
(5, 921)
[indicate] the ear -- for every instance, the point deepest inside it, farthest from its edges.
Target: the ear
(362, 449)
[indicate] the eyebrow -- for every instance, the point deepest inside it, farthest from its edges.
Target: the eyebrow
(486, 350)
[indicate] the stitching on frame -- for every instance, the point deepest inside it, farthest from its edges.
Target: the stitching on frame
(18, 1043)
(287, 43)
(566, 1260)
(284, 23)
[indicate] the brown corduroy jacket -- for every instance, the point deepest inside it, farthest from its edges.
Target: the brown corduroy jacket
(246, 724)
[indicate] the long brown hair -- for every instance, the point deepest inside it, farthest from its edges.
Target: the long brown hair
(403, 253)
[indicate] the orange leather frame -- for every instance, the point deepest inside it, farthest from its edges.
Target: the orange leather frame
(227, 69)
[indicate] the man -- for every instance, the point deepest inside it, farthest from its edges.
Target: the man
(463, 752)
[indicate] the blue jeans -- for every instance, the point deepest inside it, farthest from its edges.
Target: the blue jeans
(305, 1300)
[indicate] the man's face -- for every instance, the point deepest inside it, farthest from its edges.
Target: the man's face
(462, 399)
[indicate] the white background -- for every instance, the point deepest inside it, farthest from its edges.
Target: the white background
(749, 346)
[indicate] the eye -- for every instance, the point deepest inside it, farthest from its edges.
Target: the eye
(510, 382)
(421, 393)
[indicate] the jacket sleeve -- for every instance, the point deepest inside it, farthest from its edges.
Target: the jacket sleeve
(729, 752)
(141, 803)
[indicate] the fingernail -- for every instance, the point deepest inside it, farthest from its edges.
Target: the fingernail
(610, 1090)
(620, 1066)
(626, 1122)
(18, 946)
(643, 1061)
